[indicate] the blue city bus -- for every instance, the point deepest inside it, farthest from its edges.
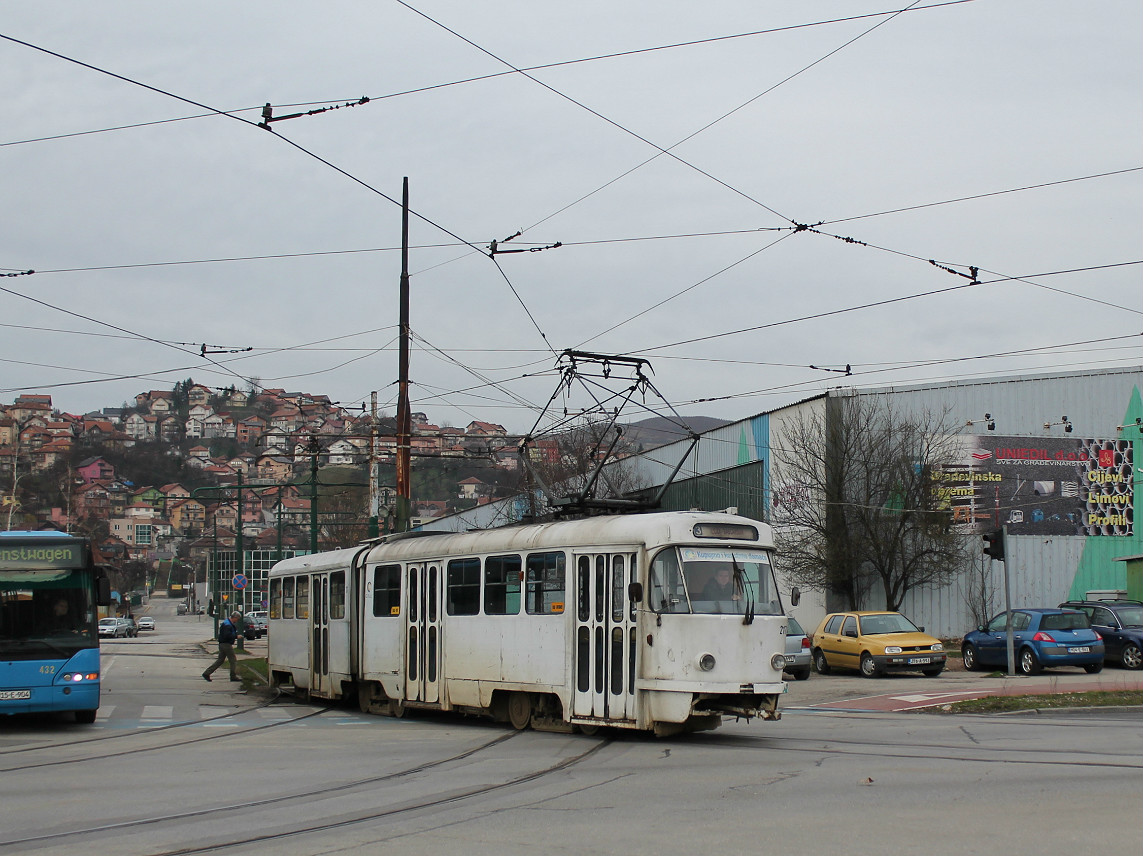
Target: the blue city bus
(50, 587)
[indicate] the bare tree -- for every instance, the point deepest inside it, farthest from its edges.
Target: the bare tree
(589, 457)
(868, 513)
(982, 594)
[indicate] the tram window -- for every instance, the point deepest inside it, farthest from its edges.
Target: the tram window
(287, 597)
(728, 580)
(387, 590)
(618, 589)
(668, 594)
(634, 572)
(583, 588)
(337, 594)
(545, 576)
(600, 587)
(303, 606)
(463, 587)
(502, 585)
(275, 598)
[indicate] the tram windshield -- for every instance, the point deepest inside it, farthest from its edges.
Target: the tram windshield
(714, 581)
(45, 613)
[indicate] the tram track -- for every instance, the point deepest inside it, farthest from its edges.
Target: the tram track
(142, 735)
(989, 753)
(234, 812)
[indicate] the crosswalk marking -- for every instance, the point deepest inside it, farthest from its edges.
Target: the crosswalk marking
(157, 711)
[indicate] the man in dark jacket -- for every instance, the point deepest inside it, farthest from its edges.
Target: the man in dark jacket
(227, 635)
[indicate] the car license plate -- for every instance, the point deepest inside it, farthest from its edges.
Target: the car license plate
(1083, 649)
(10, 695)
(790, 658)
(919, 661)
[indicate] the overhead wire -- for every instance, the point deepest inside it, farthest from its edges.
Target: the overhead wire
(870, 305)
(290, 142)
(483, 77)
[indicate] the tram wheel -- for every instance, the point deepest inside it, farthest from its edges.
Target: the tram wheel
(589, 730)
(397, 708)
(85, 717)
(520, 710)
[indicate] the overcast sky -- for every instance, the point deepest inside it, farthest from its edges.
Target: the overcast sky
(991, 134)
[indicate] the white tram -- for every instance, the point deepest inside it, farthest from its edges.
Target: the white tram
(604, 621)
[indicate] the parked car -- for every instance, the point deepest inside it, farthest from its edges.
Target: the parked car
(1040, 637)
(257, 624)
(112, 628)
(1120, 623)
(146, 622)
(798, 657)
(875, 643)
(132, 627)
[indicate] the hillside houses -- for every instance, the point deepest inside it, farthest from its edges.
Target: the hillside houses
(210, 440)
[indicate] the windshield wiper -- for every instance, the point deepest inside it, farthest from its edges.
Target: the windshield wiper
(743, 586)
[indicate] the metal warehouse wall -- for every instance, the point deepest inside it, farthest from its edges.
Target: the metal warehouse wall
(1095, 401)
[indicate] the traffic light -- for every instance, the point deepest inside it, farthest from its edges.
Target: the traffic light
(994, 544)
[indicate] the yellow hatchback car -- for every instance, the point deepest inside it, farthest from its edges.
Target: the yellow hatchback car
(875, 643)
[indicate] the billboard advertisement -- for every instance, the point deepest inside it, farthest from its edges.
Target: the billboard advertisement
(1041, 485)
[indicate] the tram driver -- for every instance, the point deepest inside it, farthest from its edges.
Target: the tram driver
(721, 586)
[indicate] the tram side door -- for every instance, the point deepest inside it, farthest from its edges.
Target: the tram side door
(423, 629)
(319, 628)
(605, 643)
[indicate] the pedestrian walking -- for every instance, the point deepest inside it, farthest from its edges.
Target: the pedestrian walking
(227, 636)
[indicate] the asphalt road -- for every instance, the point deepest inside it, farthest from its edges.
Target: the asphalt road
(175, 765)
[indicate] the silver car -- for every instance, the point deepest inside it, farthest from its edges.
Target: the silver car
(798, 656)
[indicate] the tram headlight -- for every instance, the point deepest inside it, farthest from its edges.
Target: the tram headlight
(778, 662)
(706, 662)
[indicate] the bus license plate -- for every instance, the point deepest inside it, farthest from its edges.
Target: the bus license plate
(1083, 649)
(10, 695)
(919, 661)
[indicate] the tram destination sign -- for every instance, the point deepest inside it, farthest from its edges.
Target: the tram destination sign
(1041, 485)
(40, 556)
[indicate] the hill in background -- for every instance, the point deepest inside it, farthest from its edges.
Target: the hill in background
(658, 431)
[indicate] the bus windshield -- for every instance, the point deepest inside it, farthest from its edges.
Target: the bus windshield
(714, 581)
(45, 613)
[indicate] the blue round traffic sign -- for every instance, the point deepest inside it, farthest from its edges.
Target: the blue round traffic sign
(239, 581)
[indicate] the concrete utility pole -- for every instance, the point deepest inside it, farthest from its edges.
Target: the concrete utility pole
(404, 415)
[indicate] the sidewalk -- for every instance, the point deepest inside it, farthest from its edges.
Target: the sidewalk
(910, 692)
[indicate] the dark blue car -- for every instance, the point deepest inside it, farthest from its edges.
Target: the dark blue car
(1120, 623)
(1041, 638)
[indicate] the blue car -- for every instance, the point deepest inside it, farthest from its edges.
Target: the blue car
(1040, 638)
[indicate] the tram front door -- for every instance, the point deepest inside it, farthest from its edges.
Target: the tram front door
(423, 632)
(605, 644)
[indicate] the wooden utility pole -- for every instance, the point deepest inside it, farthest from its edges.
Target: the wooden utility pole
(374, 479)
(404, 415)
